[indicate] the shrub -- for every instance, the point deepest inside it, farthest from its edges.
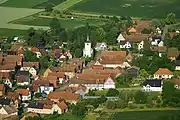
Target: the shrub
(131, 106)
(149, 106)
(37, 95)
(141, 107)
(158, 105)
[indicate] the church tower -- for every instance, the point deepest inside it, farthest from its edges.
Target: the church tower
(87, 52)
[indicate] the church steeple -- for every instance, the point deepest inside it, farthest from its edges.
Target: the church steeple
(87, 39)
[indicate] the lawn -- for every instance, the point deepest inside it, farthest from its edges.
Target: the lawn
(134, 8)
(22, 3)
(66, 23)
(145, 115)
(11, 32)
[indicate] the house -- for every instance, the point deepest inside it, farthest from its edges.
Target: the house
(14, 97)
(129, 57)
(137, 39)
(157, 42)
(101, 46)
(11, 59)
(23, 80)
(120, 38)
(16, 50)
(8, 82)
(8, 110)
(68, 54)
(2, 90)
(11, 117)
(57, 53)
(31, 67)
(24, 94)
(43, 86)
(112, 59)
(69, 97)
(132, 30)
(158, 31)
(5, 101)
(37, 51)
(48, 108)
(79, 62)
(49, 70)
(81, 90)
(160, 50)
(125, 44)
(140, 45)
(59, 76)
(152, 85)
(176, 83)
(133, 71)
(177, 63)
(87, 51)
(69, 69)
(163, 73)
(93, 81)
(173, 53)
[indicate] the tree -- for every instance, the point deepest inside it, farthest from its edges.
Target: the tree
(77, 53)
(146, 31)
(44, 62)
(157, 23)
(140, 97)
(112, 92)
(55, 26)
(168, 92)
(79, 110)
(49, 7)
(144, 73)
(111, 105)
(121, 104)
(30, 56)
(170, 18)
(99, 35)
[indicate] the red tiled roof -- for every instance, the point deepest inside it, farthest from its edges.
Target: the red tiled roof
(35, 49)
(2, 87)
(62, 105)
(23, 92)
(163, 71)
(31, 64)
(63, 95)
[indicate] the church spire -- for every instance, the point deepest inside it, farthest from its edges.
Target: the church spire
(87, 39)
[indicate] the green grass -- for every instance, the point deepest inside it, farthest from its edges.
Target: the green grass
(134, 8)
(22, 3)
(66, 116)
(12, 32)
(66, 23)
(68, 3)
(145, 115)
(53, 2)
(90, 117)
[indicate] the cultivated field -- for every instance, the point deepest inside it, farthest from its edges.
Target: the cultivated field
(12, 32)
(10, 14)
(65, 23)
(68, 3)
(53, 2)
(22, 3)
(134, 8)
(145, 115)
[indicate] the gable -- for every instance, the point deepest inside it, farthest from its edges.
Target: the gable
(97, 63)
(109, 81)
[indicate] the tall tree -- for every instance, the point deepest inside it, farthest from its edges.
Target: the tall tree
(30, 56)
(170, 18)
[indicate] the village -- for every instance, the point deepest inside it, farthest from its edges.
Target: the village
(141, 60)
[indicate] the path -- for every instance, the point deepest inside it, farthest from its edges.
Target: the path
(165, 30)
(67, 4)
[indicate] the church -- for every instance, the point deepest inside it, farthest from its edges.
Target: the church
(87, 51)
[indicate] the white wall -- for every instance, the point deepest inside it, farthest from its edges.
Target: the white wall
(40, 111)
(152, 89)
(23, 84)
(177, 68)
(47, 90)
(162, 76)
(114, 65)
